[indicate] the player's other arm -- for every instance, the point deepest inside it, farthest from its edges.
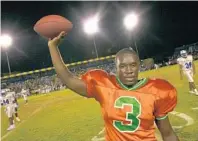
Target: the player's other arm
(166, 130)
(180, 69)
(181, 72)
(166, 101)
(71, 81)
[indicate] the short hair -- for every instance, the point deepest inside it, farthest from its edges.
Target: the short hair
(126, 50)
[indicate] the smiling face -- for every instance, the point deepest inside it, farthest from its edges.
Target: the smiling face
(127, 67)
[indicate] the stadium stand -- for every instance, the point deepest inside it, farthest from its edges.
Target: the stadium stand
(46, 80)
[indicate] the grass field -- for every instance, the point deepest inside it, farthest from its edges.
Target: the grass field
(65, 116)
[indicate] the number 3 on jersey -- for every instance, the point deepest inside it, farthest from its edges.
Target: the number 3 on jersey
(188, 65)
(132, 116)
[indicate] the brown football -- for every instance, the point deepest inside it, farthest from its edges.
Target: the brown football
(50, 26)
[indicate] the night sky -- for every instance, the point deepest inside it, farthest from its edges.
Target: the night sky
(162, 27)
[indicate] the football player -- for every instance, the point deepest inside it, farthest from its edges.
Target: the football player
(10, 109)
(130, 106)
(187, 67)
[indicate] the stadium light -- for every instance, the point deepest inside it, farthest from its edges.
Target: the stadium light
(5, 42)
(91, 27)
(130, 21)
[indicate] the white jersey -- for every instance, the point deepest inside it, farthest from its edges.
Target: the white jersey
(10, 96)
(186, 63)
(23, 91)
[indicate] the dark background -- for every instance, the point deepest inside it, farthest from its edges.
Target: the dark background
(162, 27)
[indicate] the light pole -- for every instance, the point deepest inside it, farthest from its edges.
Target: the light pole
(91, 27)
(95, 46)
(8, 62)
(6, 42)
(130, 22)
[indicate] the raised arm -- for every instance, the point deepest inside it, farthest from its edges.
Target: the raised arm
(71, 81)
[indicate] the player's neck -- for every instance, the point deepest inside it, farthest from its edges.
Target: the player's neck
(135, 86)
(132, 85)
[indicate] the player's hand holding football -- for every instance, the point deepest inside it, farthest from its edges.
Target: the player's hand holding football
(57, 40)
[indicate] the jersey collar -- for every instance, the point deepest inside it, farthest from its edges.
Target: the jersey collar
(139, 84)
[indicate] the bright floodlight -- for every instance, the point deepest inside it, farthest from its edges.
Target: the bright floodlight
(91, 25)
(5, 41)
(130, 21)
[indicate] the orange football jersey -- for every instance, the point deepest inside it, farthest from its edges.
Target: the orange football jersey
(129, 113)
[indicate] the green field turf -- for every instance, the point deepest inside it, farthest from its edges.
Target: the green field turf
(65, 116)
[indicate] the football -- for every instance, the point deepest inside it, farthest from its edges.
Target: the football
(50, 26)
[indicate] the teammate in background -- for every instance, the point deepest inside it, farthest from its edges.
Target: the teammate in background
(187, 67)
(130, 106)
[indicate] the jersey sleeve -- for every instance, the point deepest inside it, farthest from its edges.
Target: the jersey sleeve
(165, 103)
(191, 57)
(92, 78)
(179, 61)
